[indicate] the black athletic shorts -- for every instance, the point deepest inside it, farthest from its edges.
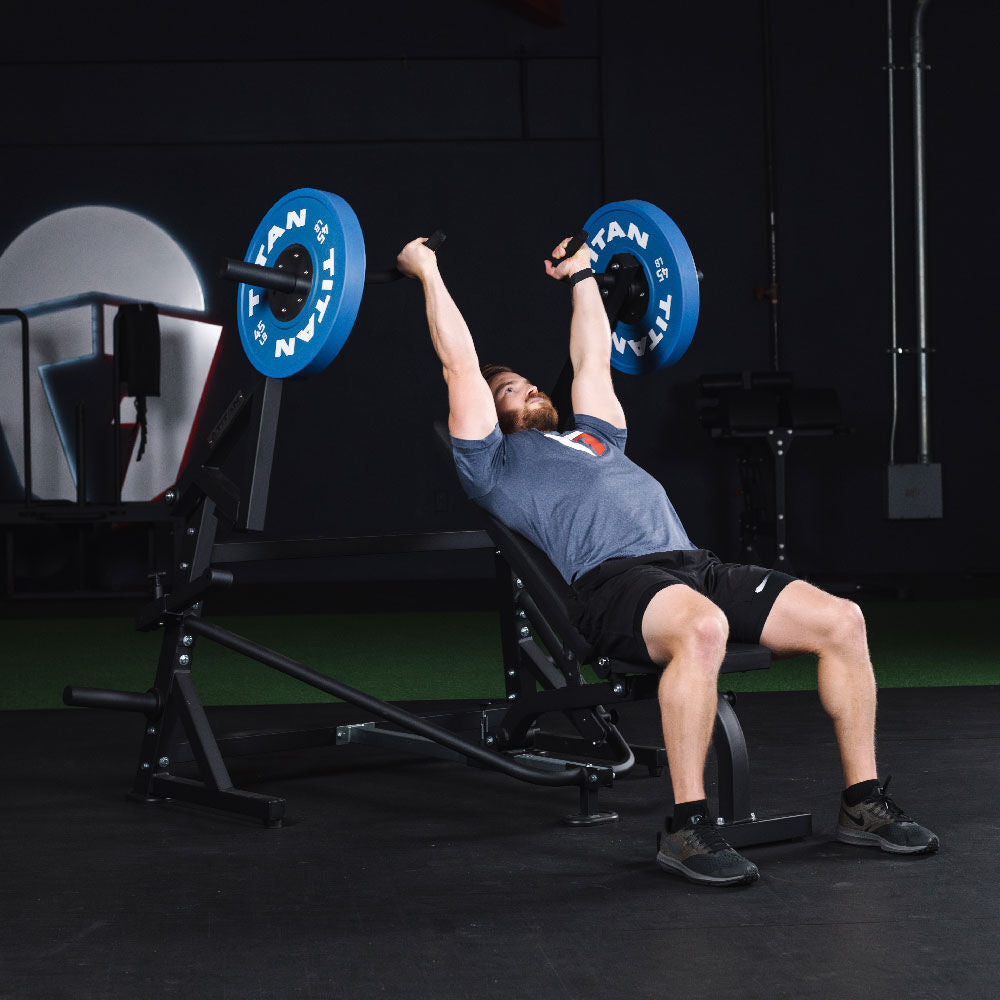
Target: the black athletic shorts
(614, 597)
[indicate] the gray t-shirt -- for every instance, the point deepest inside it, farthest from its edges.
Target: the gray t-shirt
(574, 494)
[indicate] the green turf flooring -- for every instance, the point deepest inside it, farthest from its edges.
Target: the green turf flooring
(404, 656)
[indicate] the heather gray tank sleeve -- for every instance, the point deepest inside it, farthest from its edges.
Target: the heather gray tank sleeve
(574, 494)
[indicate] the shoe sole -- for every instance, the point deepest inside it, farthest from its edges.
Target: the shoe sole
(677, 868)
(861, 838)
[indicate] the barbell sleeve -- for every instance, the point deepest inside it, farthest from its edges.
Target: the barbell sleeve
(264, 277)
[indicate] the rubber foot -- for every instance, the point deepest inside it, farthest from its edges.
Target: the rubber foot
(591, 819)
(146, 799)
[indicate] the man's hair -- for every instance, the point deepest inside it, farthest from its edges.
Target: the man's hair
(488, 371)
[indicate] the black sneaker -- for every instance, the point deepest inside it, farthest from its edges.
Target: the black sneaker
(879, 822)
(699, 852)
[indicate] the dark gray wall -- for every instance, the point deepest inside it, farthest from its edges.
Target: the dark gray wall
(507, 133)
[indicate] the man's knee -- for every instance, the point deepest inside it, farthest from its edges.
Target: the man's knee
(844, 627)
(680, 623)
(709, 633)
(805, 619)
(834, 627)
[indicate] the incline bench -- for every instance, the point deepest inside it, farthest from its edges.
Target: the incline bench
(182, 757)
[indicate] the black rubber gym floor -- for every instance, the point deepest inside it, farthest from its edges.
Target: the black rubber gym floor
(404, 877)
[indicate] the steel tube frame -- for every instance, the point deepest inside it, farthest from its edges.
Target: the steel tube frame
(920, 223)
(25, 398)
(410, 722)
(770, 164)
(97, 301)
(893, 282)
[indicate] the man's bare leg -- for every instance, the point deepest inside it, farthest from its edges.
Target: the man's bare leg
(807, 620)
(686, 633)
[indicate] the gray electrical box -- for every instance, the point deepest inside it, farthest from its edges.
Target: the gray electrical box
(914, 491)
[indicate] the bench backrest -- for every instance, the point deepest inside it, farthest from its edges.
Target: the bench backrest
(557, 600)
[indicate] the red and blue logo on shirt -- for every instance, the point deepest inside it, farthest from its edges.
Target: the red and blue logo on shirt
(581, 441)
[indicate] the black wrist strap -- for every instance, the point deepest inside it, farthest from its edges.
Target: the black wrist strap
(573, 279)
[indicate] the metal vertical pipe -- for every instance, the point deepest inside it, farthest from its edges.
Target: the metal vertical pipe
(25, 405)
(893, 301)
(920, 217)
(25, 398)
(771, 177)
(116, 400)
(81, 454)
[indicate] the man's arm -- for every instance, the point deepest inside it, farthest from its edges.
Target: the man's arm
(589, 341)
(471, 411)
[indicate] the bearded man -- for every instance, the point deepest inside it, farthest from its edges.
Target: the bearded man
(647, 593)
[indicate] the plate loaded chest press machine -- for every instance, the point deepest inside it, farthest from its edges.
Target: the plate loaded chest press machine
(307, 259)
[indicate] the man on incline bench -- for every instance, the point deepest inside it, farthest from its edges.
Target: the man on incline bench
(647, 592)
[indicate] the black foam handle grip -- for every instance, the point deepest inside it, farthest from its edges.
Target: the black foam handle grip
(433, 242)
(574, 244)
(124, 701)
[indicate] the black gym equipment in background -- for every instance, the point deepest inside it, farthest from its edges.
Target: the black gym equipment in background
(701, 141)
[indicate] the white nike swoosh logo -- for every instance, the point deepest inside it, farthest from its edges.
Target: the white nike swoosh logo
(763, 583)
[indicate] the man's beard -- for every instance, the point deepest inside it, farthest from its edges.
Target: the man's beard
(532, 416)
